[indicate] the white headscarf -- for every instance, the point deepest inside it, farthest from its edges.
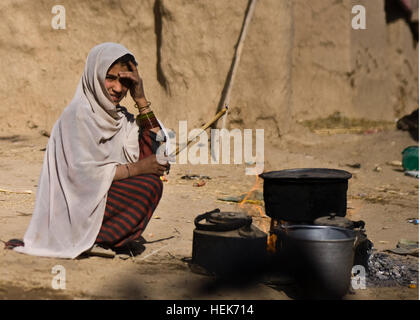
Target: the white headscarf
(86, 144)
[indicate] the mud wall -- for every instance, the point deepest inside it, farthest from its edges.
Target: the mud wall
(321, 58)
(301, 59)
(384, 56)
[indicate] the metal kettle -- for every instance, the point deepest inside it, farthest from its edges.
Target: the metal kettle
(226, 243)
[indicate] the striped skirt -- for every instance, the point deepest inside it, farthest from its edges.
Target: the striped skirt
(131, 202)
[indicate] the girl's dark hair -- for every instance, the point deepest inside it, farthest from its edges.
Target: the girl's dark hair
(124, 60)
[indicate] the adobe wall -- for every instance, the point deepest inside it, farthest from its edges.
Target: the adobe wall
(301, 60)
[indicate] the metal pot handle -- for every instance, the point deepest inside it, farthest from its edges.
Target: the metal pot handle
(356, 241)
(203, 216)
(359, 224)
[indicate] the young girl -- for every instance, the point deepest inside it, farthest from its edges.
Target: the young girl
(100, 180)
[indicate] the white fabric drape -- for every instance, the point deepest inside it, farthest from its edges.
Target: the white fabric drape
(86, 144)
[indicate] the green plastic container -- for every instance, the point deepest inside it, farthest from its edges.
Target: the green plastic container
(410, 158)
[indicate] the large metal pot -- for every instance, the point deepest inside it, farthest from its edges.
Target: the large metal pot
(364, 245)
(302, 195)
(319, 257)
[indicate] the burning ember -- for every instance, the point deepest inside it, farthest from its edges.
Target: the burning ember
(253, 203)
(386, 270)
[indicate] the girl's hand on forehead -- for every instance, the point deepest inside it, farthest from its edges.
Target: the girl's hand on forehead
(136, 89)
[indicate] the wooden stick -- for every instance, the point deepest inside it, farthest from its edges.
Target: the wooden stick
(238, 51)
(12, 191)
(203, 128)
(237, 56)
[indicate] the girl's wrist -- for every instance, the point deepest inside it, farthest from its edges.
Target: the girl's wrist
(143, 106)
(141, 102)
(135, 169)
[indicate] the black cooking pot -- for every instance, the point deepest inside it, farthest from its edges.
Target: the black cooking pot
(303, 195)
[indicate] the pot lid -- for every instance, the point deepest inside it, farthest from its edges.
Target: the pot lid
(334, 221)
(228, 217)
(222, 221)
(308, 173)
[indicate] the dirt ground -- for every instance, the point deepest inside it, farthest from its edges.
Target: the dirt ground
(384, 198)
